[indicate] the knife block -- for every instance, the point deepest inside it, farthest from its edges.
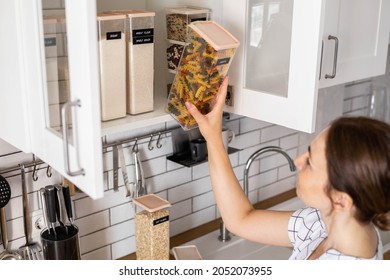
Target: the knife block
(152, 228)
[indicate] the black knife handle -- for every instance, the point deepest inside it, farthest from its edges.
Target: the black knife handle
(68, 203)
(51, 203)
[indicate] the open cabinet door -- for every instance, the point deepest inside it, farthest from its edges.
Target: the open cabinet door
(275, 71)
(62, 78)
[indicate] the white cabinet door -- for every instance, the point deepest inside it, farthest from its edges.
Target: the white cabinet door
(60, 70)
(357, 32)
(275, 71)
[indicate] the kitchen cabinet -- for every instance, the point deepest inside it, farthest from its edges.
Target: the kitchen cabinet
(289, 51)
(357, 32)
(51, 90)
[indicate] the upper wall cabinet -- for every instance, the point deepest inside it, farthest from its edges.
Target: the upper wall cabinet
(355, 40)
(52, 88)
(290, 48)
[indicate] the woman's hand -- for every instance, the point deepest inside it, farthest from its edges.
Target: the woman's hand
(210, 125)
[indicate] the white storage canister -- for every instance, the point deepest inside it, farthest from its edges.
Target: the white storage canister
(112, 54)
(140, 60)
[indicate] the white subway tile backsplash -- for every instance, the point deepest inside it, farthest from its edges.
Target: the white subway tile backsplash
(93, 223)
(99, 254)
(121, 213)
(106, 236)
(87, 206)
(275, 132)
(200, 171)
(203, 201)
(123, 248)
(180, 209)
(191, 221)
(188, 190)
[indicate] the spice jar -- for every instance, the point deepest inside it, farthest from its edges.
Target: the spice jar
(152, 228)
(204, 64)
(112, 54)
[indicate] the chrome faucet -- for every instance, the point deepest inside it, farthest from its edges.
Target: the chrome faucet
(224, 233)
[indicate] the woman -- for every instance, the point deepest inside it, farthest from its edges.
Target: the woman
(344, 178)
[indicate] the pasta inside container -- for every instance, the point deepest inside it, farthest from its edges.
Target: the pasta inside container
(204, 64)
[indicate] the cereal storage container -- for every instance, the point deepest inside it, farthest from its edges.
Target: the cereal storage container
(203, 65)
(152, 228)
(112, 53)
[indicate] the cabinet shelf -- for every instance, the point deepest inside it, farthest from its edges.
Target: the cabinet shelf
(158, 115)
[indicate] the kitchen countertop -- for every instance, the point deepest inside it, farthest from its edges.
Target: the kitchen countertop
(214, 225)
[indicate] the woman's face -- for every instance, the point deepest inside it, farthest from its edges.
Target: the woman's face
(313, 176)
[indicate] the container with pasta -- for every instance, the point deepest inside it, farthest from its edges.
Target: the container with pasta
(204, 64)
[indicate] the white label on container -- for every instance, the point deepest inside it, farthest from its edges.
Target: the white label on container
(114, 35)
(161, 220)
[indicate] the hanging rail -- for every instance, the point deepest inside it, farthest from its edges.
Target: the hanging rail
(136, 139)
(33, 164)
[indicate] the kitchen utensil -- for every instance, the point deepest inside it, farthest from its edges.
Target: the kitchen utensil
(5, 192)
(44, 209)
(51, 209)
(6, 254)
(31, 250)
(59, 241)
(5, 196)
(60, 208)
(68, 204)
(115, 167)
(139, 174)
(127, 189)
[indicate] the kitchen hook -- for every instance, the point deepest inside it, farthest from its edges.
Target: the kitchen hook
(48, 171)
(150, 145)
(159, 145)
(34, 174)
(135, 147)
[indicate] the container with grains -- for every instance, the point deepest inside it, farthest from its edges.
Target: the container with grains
(178, 19)
(152, 228)
(204, 64)
(112, 54)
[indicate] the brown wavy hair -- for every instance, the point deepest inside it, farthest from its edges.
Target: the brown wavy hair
(358, 162)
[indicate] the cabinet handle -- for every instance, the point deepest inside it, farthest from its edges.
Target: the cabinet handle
(322, 56)
(336, 50)
(64, 111)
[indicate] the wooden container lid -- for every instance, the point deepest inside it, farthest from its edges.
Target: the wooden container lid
(151, 202)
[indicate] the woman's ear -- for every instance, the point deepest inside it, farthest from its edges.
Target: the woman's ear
(341, 200)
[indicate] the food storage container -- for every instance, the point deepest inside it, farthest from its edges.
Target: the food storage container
(174, 53)
(112, 54)
(178, 19)
(202, 68)
(152, 228)
(140, 60)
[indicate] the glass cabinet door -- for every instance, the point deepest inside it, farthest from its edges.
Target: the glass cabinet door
(267, 46)
(274, 74)
(66, 131)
